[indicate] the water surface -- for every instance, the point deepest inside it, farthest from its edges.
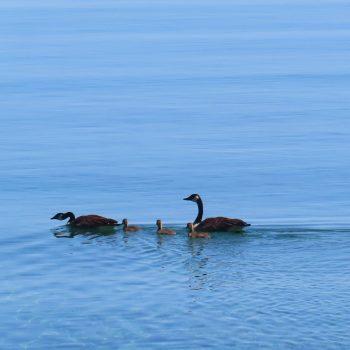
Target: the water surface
(123, 108)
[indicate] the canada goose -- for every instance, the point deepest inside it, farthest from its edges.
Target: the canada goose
(214, 224)
(129, 228)
(85, 220)
(194, 234)
(164, 231)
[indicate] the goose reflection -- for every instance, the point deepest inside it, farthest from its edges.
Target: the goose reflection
(71, 231)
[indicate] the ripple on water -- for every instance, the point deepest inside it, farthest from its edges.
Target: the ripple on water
(261, 287)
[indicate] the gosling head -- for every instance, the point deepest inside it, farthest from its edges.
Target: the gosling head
(190, 227)
(193, 197)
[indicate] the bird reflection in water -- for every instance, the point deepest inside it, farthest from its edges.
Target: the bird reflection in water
(197, 263)
(70, 231)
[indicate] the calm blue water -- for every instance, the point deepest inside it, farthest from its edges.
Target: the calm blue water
(122, 108)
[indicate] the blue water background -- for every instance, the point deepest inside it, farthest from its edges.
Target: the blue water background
(122, 108)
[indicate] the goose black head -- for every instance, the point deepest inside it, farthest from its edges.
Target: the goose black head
(193, 197)
(58, 216)
(62, 216)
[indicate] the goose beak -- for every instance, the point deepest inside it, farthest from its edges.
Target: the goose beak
(187, 199)
(52, 218)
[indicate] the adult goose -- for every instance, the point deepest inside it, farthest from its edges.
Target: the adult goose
(85, 221)
(213, 224)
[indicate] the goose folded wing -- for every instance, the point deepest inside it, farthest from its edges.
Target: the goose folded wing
(219, 224)
(94, 220)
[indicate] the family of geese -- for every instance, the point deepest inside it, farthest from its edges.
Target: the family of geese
(198, 229)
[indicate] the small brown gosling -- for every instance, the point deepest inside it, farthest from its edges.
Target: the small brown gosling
(129, 228)
(193, 234)
(164, 231)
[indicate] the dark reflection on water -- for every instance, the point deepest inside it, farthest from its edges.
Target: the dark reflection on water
(196, 263)
(70, 231)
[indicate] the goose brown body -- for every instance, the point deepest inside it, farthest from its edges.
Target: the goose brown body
(93, 221)
(85, 221)
(162, 230)
(219, 223)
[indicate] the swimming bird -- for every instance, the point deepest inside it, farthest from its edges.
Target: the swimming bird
(129, 228)
(85, 221)
(194, 234)
(164, 231)
(214, 224)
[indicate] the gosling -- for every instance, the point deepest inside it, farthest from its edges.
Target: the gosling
(193, 234)
(129, 228)
(164, 231)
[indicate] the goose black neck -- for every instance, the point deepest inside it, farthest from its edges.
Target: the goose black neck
(69, 215)
(200, 211)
